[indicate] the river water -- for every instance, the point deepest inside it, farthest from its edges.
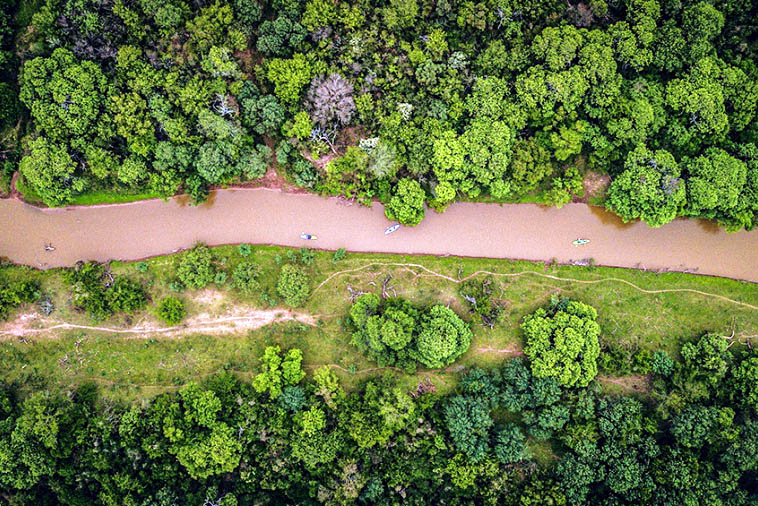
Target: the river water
(261, 216)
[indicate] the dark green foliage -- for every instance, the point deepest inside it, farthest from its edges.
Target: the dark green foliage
(100, 293)
(13, 294)
(9, 105)
(340, 254)
(245, 277)
(126, 295)
(452, 100)
(220, 440)
(478, 295)
(468, 421)
(280, 36)
(171, 310)
(510, 446)
(245, 250)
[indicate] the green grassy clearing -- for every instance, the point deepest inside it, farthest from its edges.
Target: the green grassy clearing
(133, 367)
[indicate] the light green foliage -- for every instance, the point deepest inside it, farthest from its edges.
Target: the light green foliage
(13, 294)
(319, 13)
(220, 63)
(407, 203)
(131, 120)
(289, 77)
(312, 421)
(393, 332)
(214, 26)
(698, 99)
(64, 95)
(567, 141)
(383, 410)
(171, 310)
(50, 171)
(562, 342)
(745, 381)
(715, 181)
(300, 127)
(254, 161)
(384, 330)
(400, 14)
(650, 188)
(701, 23)
(203, 444)
(196, 269)
(327, 386)
(348, 174)
(292, 285)
(279, 372)
(443, 337)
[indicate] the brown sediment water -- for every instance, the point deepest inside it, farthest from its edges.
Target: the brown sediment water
(261, 216)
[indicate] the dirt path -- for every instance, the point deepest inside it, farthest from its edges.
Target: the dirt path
(265, 216)
(533, 273)
(32, 324)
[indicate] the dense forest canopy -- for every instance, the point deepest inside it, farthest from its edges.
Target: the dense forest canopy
(407, 101)
(284, 439)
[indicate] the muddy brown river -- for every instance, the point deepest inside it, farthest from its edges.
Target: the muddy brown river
(261, 216)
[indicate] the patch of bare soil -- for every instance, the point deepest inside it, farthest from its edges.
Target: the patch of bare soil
(236, 321)
(633, 383)
(508, 351)
(595, 185)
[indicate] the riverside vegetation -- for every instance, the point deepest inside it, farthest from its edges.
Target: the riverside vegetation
(312, 413)
(411, 102)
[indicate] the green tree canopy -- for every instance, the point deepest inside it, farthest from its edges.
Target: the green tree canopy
(562, 342)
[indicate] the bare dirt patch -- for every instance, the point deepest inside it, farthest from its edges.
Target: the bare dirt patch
(634, 383)
(237, 321)
(595, 185)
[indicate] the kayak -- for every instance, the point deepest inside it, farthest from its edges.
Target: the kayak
(579, 242)
(308, 237)
(392, 229)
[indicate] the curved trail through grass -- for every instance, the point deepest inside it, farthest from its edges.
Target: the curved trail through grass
(261, 216)
(534, 273)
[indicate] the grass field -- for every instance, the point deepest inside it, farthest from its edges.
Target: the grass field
(654, 311)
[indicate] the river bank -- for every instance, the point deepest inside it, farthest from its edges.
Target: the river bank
(263, 216)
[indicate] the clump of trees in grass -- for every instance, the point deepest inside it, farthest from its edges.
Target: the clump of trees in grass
(100, 293)
(392, 332)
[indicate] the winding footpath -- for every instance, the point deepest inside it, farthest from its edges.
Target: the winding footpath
(262, 216)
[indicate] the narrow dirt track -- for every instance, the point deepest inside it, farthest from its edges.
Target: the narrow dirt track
(262, 216)
(33, 324)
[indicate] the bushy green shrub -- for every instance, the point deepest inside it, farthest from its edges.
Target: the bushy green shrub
(245, 277)
(196, 269)
(292, 285)
(171, 310)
